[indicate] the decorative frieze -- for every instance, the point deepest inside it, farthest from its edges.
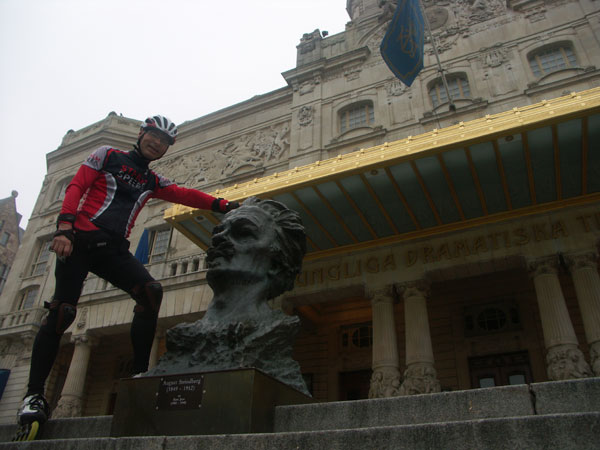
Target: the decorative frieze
(305, 115)
(248, 152)
(565, 362)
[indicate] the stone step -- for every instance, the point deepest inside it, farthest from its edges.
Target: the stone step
(561, 431)
(561, 400)
(571, 396)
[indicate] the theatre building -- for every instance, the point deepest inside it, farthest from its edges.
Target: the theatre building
(448, 248)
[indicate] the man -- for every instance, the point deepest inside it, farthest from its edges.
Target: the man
(100, 207)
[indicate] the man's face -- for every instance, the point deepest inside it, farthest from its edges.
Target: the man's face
(241, 246)
(154, 144)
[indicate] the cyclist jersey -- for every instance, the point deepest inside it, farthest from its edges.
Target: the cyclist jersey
(111, 187)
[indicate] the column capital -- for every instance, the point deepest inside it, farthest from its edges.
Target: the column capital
(547, 265)
(380, 293)
(80, 339)
(415, 288)
(584, 260)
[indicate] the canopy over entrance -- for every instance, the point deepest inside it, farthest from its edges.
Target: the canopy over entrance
(524, 161)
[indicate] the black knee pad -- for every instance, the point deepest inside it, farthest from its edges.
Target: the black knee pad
(60, 316)
(148, 298)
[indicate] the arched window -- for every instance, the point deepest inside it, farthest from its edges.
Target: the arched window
(356, 116)
(458, 85)
(552, 58)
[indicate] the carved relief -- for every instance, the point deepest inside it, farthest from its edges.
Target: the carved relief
(582, 261)
(246, 153)
(420, 378)
(68, 406)
(543, 266)
(395, 89)
(385, 382)
(566, 362)
(305, 116)
(595, 358)
(418, 288)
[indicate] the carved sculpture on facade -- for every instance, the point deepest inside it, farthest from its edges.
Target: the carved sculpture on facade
(248, 152)
(255, 256)
(305, 115)
(566, 362)
(420, 378)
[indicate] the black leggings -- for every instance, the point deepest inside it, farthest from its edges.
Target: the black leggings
(107, 256)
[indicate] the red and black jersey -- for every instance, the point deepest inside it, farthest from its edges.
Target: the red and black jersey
(111, 187)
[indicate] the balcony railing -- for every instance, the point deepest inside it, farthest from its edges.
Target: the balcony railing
(21, 320)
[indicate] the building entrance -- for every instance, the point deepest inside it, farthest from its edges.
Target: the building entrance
(355, 385)
(500, 370)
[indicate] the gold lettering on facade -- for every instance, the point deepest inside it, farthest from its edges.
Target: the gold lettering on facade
(539, 232)
(428, 255)
(411, 258)
(584, 222)
(372, 265)
(444, 252)
(521, 234)
(389, 263)
(559, 230)
(316, 276)
(494, 240)
(354, 273)
(480, 245)
(460, 247)
(333, 272)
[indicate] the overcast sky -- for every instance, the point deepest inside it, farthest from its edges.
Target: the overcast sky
(65, 64)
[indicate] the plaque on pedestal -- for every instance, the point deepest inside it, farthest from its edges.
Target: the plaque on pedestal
(225, 402)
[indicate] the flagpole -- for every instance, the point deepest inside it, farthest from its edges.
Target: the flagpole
(452, 106)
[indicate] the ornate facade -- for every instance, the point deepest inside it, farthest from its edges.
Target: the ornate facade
(448, 249)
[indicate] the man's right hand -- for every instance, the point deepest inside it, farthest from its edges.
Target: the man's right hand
(61, 244)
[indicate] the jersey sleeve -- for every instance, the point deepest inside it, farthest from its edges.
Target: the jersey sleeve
(170, 192)
(83, 180)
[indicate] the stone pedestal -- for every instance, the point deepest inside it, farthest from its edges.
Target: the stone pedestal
(224, 402)
(420, 376)
(385, 381)
(564, 359)
(70, 403)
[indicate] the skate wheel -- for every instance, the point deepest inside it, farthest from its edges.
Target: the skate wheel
(27, 432)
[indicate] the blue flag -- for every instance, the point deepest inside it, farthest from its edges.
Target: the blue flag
(402, 45)
(143, 248)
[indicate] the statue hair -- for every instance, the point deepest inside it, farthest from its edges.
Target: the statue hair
(290, 248)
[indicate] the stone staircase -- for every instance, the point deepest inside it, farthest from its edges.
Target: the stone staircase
(555, 415)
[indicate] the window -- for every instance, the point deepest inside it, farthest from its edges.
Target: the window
(42, 259)
(159, 244)
(552, 59)
(356, 116)
(4, 239)
(458, 85)
(28, 298)
(61, 189)
(4, 269)
(357, 337)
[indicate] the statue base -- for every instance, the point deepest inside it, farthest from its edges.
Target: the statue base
(224, 402)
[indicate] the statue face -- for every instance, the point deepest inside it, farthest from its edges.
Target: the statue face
(241, 247)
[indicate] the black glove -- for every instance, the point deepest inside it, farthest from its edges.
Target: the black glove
(231, 205)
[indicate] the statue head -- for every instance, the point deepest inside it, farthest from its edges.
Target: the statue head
(261, 241)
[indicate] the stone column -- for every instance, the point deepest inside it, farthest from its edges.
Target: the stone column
(584, 270)
(70, 402)
(385, 381)
(420, 376)
(564, 360)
